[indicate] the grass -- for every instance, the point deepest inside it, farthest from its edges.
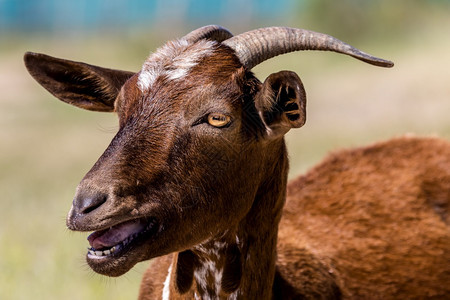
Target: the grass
(47, 146)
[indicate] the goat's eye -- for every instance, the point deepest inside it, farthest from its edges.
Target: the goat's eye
(218, 120)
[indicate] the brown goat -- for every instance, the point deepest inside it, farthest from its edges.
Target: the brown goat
(196, 178)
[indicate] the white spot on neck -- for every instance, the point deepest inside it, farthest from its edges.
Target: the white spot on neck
(212, 251)
(209, 267)
(166, 289)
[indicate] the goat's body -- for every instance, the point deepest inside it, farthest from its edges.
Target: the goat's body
(367, 223)
(376, 221)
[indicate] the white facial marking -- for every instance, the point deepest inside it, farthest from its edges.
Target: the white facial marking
(145, 80)
(173, 61)
(166, 289)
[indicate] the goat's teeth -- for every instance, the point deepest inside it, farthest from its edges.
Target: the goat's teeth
(125, 242)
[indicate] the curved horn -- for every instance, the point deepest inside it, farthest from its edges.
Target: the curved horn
(254, 47)
(211, 32)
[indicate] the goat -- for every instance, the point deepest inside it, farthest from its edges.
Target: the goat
(196, 179)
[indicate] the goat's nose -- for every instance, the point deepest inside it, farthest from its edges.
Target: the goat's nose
(85, 203)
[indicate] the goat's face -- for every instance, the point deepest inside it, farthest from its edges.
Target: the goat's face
(188, 158)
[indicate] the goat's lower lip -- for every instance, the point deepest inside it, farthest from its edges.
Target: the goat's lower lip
(119, 238)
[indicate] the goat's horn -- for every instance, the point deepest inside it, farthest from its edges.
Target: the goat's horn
(211, 32)
(256, 46)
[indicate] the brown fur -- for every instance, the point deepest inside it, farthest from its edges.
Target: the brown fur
(368, 223)
(363, 224)
(370, 216)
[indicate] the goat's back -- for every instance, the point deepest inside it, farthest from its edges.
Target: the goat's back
(371, 223)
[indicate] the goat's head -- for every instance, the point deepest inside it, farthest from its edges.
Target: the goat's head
(196, 130)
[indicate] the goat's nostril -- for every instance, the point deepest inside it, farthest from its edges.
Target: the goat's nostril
(85, 204)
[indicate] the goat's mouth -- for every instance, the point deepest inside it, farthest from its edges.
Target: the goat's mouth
(121, 238)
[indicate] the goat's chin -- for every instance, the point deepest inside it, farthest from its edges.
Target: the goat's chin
(112, 267)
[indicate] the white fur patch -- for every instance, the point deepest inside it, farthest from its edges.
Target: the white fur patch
(209, 267)
(233, 296)
(166, 289)
(174, 61)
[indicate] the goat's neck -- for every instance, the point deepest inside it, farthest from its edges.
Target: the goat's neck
(242, 261)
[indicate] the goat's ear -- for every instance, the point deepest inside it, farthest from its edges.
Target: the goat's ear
(281, 103)
(85, 86)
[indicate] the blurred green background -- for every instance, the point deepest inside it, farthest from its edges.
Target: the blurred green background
(47, 146)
